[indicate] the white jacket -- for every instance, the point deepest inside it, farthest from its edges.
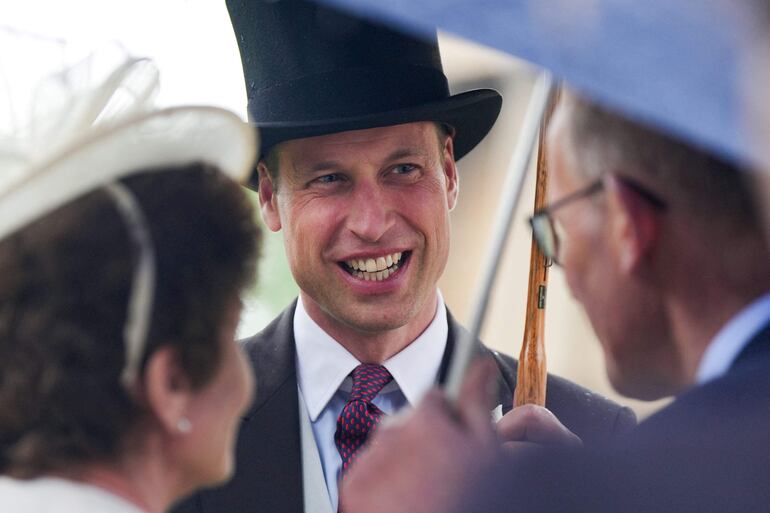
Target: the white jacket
(55, 495)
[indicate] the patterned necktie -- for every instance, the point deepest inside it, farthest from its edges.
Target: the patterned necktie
(359, 417)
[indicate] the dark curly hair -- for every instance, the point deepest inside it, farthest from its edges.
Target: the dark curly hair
(64, 286)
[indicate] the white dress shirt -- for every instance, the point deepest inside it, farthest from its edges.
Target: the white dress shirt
(323, 368)
(732, 338)
(55, 495)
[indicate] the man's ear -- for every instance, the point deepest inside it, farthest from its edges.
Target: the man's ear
(168, 391)
(450, 171)
(635, 224)
(268, 201)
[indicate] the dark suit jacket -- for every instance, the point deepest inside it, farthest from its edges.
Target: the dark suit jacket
(708, 451)
(268, 475)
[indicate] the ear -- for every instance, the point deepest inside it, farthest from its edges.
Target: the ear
(268, 201)
(168, 391)
(450, 171)
(635, 225)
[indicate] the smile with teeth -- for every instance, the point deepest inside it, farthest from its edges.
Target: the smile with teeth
(376, 268)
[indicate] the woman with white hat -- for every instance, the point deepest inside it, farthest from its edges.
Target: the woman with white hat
(125, 241)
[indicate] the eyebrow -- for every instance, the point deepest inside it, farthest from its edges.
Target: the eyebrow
(324, 165)
(396, 155)
(407, 152)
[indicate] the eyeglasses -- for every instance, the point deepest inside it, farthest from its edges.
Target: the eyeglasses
(547, 230)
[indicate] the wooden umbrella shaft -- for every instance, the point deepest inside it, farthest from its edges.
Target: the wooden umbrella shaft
(463, 350)
(532, 373)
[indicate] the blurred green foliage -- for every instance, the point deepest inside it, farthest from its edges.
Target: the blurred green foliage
(275, 288)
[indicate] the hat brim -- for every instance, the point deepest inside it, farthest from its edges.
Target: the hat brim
(472, 115)
(164, 138)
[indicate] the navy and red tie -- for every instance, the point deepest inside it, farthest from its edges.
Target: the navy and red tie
(360, 417)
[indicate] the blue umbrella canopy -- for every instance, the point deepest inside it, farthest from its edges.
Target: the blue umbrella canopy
(678, 65)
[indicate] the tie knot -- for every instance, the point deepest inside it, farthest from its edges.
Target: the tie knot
(368, 380)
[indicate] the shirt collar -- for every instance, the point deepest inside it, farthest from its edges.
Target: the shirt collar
(416, 367)
(734, 336)
(323, 363)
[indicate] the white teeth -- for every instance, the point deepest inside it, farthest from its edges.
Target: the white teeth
(372, 265)
(375, 269)
(375, 276)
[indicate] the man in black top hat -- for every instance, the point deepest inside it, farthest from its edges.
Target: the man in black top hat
(359, 141)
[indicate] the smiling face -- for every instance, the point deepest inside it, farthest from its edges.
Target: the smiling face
(365, 216)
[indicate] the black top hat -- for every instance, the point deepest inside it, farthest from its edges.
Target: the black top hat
(311, 70)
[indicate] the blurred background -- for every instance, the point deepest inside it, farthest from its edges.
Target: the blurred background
(193, 44)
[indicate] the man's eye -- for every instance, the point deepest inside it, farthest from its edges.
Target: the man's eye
(403, 169)
(330, 178)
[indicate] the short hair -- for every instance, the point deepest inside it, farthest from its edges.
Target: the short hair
(64, 287)
(693, 178)
(272, 158)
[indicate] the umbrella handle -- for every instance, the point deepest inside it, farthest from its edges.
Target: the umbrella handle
(514, 182)
(532, 374)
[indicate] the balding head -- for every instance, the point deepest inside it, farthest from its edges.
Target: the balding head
(711, 192)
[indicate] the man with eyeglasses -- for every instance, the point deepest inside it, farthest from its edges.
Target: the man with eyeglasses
(663, 246)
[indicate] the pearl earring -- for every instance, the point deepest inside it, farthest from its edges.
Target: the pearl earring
(184, 425)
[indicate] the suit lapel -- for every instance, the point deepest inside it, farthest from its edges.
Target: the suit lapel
(505, 379)
(269, 473)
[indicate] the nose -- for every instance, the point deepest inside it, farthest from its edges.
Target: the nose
(370, 216)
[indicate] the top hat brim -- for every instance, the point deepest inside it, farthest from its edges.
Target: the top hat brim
(471, 114)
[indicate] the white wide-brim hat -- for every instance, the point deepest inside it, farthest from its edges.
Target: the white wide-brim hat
(107, 132)
(84, 134)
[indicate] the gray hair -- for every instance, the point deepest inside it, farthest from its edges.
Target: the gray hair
(687, 178)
